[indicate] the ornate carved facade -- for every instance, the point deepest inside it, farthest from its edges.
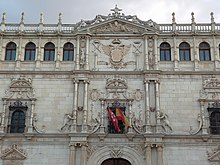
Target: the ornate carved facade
(60, 83)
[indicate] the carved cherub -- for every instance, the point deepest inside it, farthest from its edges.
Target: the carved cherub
(165, 122)
(68, 118)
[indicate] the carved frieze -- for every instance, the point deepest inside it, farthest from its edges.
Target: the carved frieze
(214, 156)
(13, 153)
(211, 89)
(20, 88)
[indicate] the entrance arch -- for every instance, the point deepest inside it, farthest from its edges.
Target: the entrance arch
(116, 161)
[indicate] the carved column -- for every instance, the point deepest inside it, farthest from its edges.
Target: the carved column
(87, 53)
(147, 107)
(204, 126)
(38, 58)
(77, 52)
(18, 58)
(216, 57)
(30, 128)
(102, 127)
(158, 125)
(196, 58)
(1, 48)
(146, 65)
(148, 154)
(159, 154)
(85, 106)
(155, 52)
(57, 58)
(130, 130)
(3, 117)
(83, 158)
(75, 104)
(72, 154)
(176, 58)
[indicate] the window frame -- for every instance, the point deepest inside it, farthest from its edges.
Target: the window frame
(184, 52)
(69, 49)
(10, 51)
(165, 51)
(30, 50)
(204, 49)
(49, 51)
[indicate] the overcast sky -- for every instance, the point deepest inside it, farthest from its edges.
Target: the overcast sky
(74, 10)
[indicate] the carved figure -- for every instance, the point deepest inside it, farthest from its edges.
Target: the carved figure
(67, 121)
(165, 122)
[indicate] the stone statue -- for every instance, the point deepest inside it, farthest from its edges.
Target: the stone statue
(68, 118)
(165, 122)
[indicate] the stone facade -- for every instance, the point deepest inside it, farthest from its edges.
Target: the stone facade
(117, 60)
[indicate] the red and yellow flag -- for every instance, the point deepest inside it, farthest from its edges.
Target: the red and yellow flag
(114, 120)
(120, 116)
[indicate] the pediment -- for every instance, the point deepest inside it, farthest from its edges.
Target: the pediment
(117, 26)
(117, 22)
(13, 153)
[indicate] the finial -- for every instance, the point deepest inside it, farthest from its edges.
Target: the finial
(173, 18)
(3, 17)
(22, 17)
(60, 18)
(193, 18)
(212, 17)
(41, 17)
(116, 11)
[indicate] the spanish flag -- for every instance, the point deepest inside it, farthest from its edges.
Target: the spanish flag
(120, 116)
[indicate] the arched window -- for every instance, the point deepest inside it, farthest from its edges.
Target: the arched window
(165, 52)
(215, 122)
(204, 52)
(49, 52)
(184, 50)
(17, 122)
(10, 53)
(68, 52)
(30, 50)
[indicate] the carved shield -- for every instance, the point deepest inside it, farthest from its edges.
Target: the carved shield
(116, 55)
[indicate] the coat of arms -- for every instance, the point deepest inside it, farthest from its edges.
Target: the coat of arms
(116, 52)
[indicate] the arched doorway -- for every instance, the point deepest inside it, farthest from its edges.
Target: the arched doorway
(114, 161)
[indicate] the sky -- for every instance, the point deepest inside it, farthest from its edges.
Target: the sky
(160, 11)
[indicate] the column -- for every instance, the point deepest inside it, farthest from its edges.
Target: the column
(146, 65)
(77, 52)
(155, 52)
(30, 128)
(75, 104)
(38, 58)
(176, 58)
(159, 154)
(3, 117)
(204, 126)
(72, 154)
(57, 58)
(83, 158)
(148, 154)
(102, 127)
(85, 106)
(216, 57)
(196, 58)
(158, 125)
(130, 130)
(1, 48)
(147, 107)
(18, 58)
(87, 52)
